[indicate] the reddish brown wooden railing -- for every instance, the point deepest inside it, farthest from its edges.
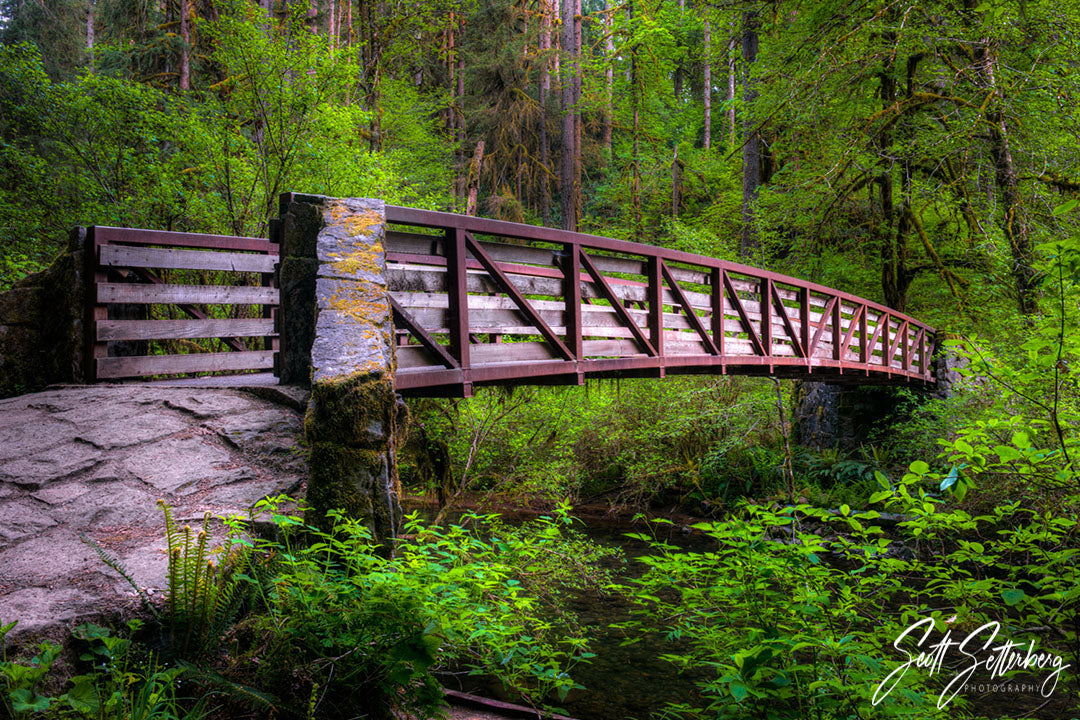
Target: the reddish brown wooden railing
(482, 301)
(145, 253)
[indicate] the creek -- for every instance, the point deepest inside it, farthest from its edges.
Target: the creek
(624, 680)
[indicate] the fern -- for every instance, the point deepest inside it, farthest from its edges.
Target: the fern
(121, 570)
(201, 594)
(256, 698)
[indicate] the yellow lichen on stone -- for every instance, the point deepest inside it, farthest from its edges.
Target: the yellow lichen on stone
(359, 223)
(336, 211)
(363, 260)
(360, 304)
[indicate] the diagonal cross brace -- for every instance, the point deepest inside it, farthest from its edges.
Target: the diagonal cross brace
(523, 305)
(616, 304)
(736, 303)
(692, 316)
(778, 303)
(408, 322)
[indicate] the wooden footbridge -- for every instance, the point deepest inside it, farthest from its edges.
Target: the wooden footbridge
(478, 301)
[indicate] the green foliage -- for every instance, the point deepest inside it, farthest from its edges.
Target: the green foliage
(631, 442)
(120, 684)
(357, 627)
(201, 592)
(781, 627)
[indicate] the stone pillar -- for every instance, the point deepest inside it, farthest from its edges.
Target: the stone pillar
(42, 321)
(337, 335)
(841, 416)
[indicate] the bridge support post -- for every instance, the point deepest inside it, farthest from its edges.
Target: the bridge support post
(337, 335)
(841, 416)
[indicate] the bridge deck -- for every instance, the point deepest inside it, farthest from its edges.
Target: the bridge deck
(480, 301)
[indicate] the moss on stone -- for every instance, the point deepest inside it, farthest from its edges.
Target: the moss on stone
(356, 411)
(346, 479)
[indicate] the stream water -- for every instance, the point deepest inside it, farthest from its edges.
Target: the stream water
(623, 681)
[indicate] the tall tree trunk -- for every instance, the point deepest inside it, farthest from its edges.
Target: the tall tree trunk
(545, 90)
(677, 79)
(185, 45)
(332, 19)
(706, 91)
(751, 138)
(474, 178)
(1014, 220)
(676, 183)
(451, 68)
(609, 75)
(578, 127)
(892, 261)
(348, 22)
(732, 53)
(635, 161)
(90, 30)
(460, 102)
(569, 120)
(371, 69)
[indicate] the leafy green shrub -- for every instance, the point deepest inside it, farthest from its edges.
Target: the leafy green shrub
(345, 630)
(629, 442)
(120, 684)
(780, 627)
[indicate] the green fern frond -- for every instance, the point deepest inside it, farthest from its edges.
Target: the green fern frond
(116, 565)
(257, 698)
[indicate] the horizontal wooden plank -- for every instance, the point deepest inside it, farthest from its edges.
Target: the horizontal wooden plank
(188, 294)
(174, 329)
(138, 236)
(505, 253)
(489, 314)
(428, 280)
(173, 259)
(145, 365)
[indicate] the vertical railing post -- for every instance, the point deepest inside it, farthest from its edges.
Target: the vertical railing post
(837, 329)
(765, 287)
(572, 298)
(922, 354)
(656, 308)
(95, 311)
(270, 312)
(885, 341)
(457, 290)
(804, 322)
(864, 346)
(905, 341)
(716, 277)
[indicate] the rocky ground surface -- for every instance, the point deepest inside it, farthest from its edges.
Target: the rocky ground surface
(95, 460)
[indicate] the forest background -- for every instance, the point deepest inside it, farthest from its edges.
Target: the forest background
(909, 152)
(924, 154)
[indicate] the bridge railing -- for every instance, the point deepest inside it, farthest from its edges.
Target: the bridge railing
(484, 301)
(158, 292)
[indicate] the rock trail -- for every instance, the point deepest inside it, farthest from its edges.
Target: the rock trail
(96, 459)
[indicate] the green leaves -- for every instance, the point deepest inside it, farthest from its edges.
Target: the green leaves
(1066, 207)
(25, 701)
(919, 468)
(1012, 596)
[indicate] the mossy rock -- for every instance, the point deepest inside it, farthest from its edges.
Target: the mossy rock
(358, 411)
(347, 479)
